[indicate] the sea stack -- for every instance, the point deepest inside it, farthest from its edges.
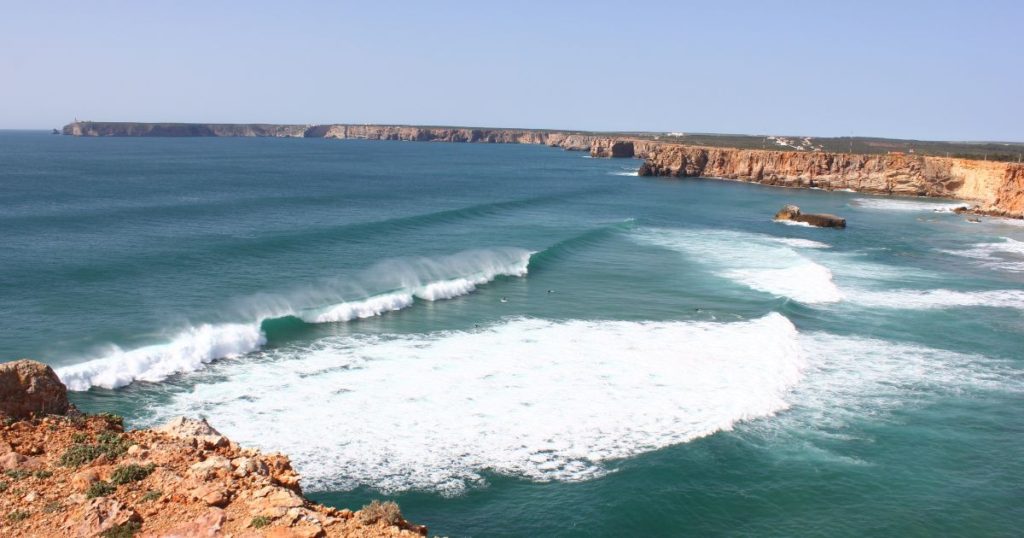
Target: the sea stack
(792, 213)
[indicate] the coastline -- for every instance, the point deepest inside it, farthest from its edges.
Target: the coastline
(995, 187)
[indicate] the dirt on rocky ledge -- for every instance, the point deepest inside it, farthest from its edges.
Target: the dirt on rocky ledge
(85, 476)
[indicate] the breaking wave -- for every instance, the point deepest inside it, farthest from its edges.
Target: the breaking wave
(761, 262)
(428, 279)
(1005, 255)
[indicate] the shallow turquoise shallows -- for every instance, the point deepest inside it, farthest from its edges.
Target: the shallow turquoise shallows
(520, 341)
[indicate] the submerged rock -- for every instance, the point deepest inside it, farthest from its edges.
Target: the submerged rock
(792, 213)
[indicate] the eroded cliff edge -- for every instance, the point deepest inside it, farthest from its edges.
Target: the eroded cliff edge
(997, 187)
(70, 474)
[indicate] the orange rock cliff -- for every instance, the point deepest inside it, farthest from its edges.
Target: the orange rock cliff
(996, 187)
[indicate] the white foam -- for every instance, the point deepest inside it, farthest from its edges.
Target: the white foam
(538, 399)
(188, 351)
(631, 172)
(348, 311)
(800, 243)
(761, 262)
(890, 204)
(938, 298)
(1005, 255)
(792, 223)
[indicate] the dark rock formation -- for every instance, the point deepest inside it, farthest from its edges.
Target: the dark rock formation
(821, 220)
(30, 388)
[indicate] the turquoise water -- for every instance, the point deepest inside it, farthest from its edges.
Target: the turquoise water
(519, 341)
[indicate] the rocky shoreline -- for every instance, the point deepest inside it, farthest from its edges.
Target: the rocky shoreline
(71, 474)
(996, 187)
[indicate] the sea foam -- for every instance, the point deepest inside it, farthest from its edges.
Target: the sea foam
(538, 399)
(1005, 255)
(889, 204)
(761, 262)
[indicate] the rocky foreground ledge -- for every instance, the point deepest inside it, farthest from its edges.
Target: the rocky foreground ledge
(70, 474)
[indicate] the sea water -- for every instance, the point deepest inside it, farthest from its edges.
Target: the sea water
(513, 340)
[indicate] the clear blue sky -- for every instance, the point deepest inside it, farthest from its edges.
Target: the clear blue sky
(930, 70)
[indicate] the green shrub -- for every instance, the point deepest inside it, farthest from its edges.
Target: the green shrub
(42, 473)
(152, 495)
(380, 511)
(3, 486)
(112, 444)
(53, 506)
(17, 515)
(124, 530)
(17, 474)
(131, 473)
(259, 522)
(79, 454)
(79, 437)
(100, 489)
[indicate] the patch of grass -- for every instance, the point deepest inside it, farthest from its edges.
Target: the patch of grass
(152, 495)
(17, 515)
(100, 489)
(112, 444)
(131, 473)
(259, 522)
(17, 474)
(79, 437)
(42, 473)
(124, 530)
(380, 511)
(79, 454)
(52, 507)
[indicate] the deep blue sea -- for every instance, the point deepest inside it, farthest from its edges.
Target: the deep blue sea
(516, 340)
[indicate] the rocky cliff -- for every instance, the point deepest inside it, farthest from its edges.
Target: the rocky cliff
(69, 474)
(998, 187)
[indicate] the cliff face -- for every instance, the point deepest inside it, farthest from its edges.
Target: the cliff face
(997, 186)
(91, 128)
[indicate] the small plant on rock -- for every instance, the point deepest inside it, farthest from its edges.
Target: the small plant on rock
(79, 454)
(42, 473)
(3, 486)
(17, 474)
(259, 522)
(380, 511)
(152, 495)
(52, 507)
(79, 437)
(124, 530)
(17, 515)
(100, 489)
(131, 473)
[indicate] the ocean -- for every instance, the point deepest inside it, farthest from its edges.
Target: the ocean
(515, 340)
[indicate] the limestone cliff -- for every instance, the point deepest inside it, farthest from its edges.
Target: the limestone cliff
(998, 187)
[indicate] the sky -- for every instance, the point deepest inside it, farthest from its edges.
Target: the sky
(935, 70)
